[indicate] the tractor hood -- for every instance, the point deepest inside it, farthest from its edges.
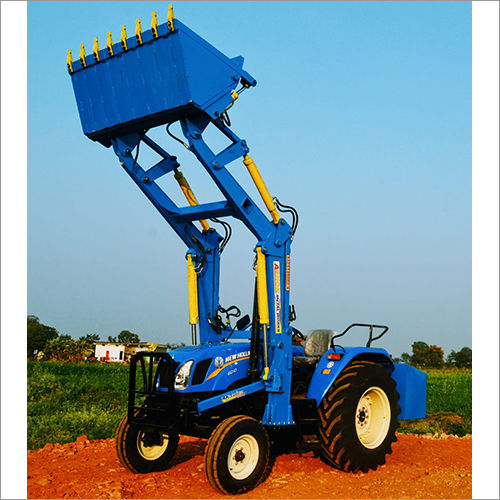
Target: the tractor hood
(215, 367)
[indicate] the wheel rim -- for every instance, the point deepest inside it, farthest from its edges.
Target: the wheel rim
(243, 457)
(373, 416)
(154, 451)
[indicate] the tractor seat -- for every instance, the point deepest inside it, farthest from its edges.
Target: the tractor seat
(314, 347)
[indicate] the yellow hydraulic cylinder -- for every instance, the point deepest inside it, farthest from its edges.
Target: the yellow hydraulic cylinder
(188, 193)
(192, 297)
(262, 288)
(259, 182)
(262, 304)
(192, 291)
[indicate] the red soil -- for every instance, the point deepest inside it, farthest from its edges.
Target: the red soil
(419, 467)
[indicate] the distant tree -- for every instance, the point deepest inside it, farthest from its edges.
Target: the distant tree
(406, 358)
(111, 339)
(431, 356)
(64, 348)
(38, 335)
(91, 337)
(128, 337)
(461, 359)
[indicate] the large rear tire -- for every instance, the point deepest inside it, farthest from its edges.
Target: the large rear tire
(142, 450)
(237, 455)
(358, 418)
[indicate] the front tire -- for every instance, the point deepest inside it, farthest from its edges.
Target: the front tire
(142, 450)
(358, 418)
(237, 455)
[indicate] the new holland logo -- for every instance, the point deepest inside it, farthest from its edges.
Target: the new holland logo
(232, 396)
(218, 362)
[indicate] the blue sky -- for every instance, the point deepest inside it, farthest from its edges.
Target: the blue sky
(361, 119)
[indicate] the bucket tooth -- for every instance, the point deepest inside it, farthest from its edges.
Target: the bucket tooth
(109, 44)
(123, 38)
(69, 62)
(138, 31)
(82, 55)
(154, 25)
(170, 17)
(95, 49)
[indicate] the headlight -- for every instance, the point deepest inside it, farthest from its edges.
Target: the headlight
(182, 376)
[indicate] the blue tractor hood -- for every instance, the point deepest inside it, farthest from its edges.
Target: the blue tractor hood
(216, 367)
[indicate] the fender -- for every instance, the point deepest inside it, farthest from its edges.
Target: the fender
(327, 371)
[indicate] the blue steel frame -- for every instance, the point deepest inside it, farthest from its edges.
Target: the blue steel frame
(274, 239)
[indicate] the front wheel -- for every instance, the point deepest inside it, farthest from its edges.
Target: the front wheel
(358, 418)
(237, 455)
(141, 449)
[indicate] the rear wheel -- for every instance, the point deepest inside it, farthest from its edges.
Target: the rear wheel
(142, 449)
(358, 418)
(237, 455)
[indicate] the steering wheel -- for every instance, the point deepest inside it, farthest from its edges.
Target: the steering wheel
(297, 335)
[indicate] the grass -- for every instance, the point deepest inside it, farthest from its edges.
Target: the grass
(67, 400)
(449, 404)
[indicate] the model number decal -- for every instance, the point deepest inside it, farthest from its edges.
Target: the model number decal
(233, 395)
(277, 296)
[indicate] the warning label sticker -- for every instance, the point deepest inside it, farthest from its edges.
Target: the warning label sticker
(288, 273)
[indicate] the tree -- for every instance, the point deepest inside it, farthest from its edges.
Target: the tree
(128, 337)
(38, 335)
(461, 359)
(431, 356)
(406, 358)
(111, 339)
(91, 337)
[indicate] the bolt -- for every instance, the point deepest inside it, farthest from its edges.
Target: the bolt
(235, 78)
(146, 179)
(216, 164)
(208, 250)
(243, 142)
(121, 163)
(127, 151)
(282, 222)
(278, 243)
(264, 250)
(281, 345)
(197, 134)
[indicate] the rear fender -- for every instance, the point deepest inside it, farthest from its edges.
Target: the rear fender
(327, 371)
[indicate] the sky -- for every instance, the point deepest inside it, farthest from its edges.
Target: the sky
(361, 119)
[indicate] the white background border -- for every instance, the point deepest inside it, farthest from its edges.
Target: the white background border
(485, 296)
(485, 249)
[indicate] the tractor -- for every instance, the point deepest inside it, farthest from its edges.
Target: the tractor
(243, 384)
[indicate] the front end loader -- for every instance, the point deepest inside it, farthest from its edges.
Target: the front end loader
(242, 384)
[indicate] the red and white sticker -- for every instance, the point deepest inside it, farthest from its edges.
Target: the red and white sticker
(288, 273)
(277, 296)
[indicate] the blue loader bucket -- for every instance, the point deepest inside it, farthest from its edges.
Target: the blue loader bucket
(151, 81)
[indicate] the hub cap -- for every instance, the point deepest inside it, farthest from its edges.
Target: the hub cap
(154, 451)
(373, 416)
(243, 457)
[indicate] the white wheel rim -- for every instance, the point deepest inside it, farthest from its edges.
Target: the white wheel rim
(243, 457)
(151, 452)
(373, 417)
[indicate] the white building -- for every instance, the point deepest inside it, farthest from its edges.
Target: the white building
(122, 351)
(110, 351)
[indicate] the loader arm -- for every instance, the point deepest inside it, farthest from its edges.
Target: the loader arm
(169, 74)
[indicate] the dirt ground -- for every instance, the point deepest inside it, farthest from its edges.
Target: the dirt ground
(419, 467)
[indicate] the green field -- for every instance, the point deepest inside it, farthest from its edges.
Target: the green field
(67, 400)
